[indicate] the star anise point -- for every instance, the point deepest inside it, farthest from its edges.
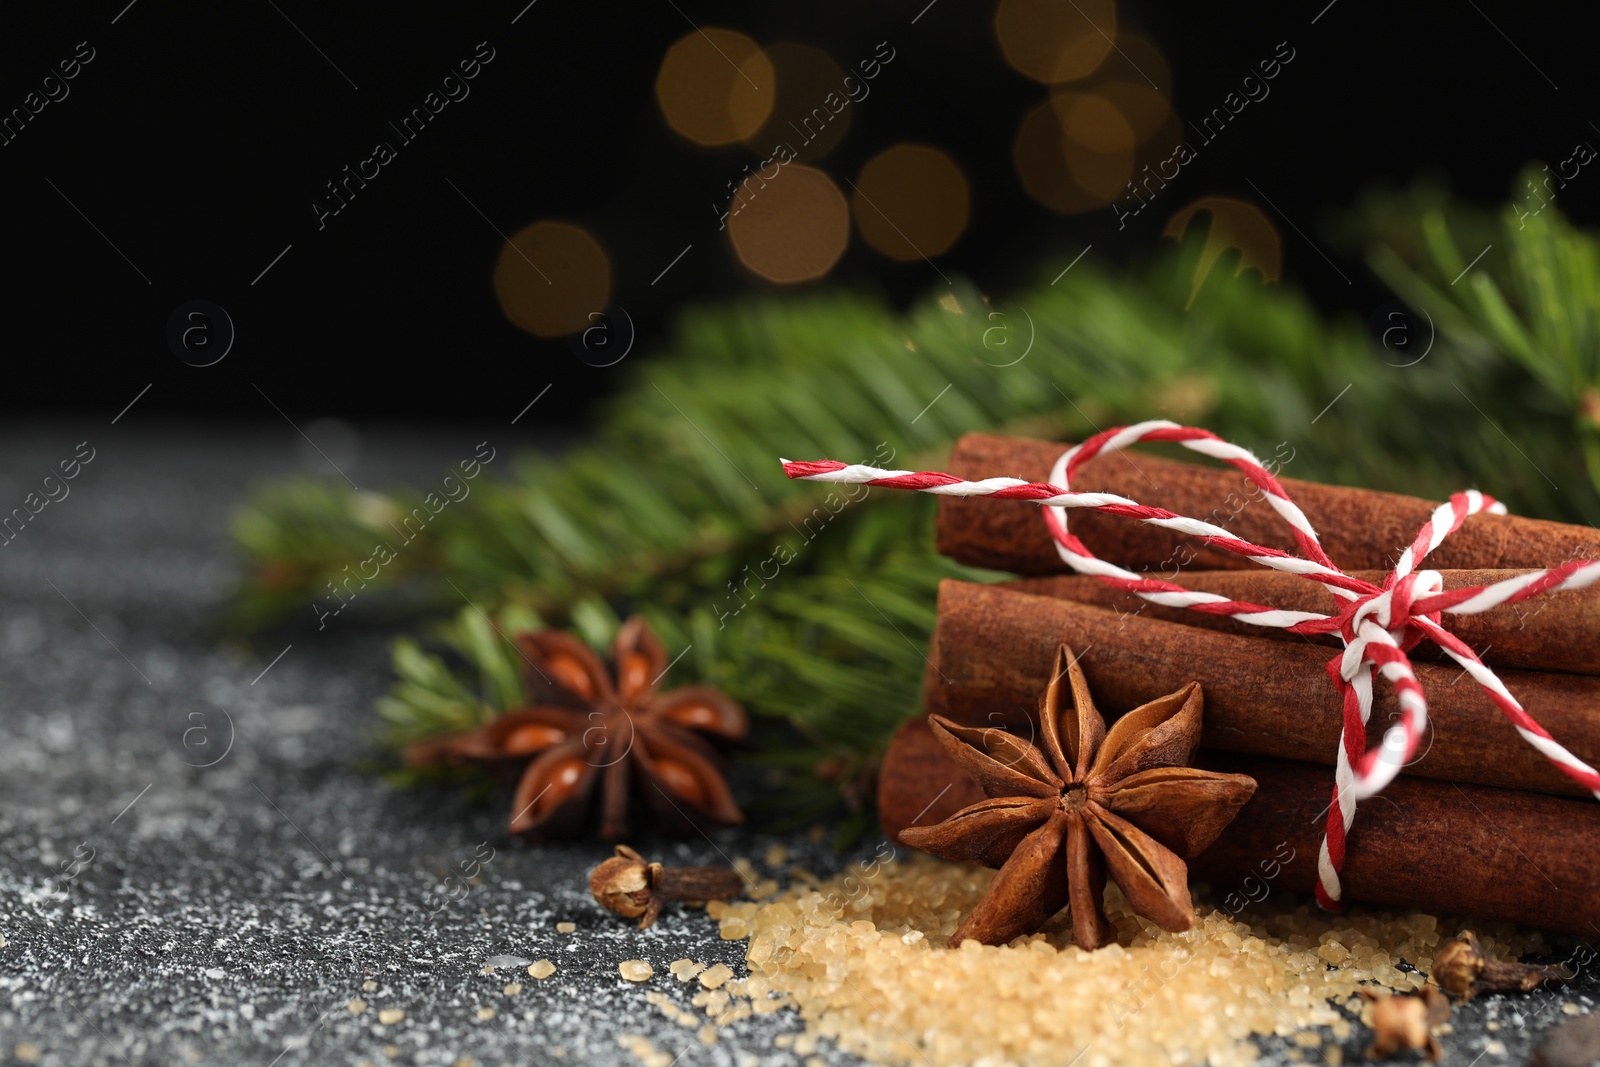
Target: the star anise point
(1085, 804)
(607, 732)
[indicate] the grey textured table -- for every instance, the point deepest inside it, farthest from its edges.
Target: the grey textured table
(153, 910)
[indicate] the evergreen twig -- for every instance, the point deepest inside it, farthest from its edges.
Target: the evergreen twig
(677, 508)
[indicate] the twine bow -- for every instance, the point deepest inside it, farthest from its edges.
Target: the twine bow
(1379, 625)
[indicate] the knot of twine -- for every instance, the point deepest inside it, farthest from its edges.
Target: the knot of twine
(1379, 625)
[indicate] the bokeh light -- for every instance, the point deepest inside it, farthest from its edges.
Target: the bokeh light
(716, 86)
(1137, 58)
(812, 110)
(1074, 152)
(1054, 42)
(1144, 109)
(911, 202)
(791, 228)
(550, 277)
(1138, 80)
(1235, 224)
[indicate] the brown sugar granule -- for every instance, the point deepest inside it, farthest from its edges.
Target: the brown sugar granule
(715, 976)
(685, 969)
(644, 1050)
(687, 1019)
(541, 970)
(867, 969)
(635, 970)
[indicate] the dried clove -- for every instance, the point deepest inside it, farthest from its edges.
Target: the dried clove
(1462, 970)
(634, 888)
(1406, 1021)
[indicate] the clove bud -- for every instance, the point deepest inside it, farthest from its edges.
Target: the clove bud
(1406, 1021)
(635, 889)
(1463, 971)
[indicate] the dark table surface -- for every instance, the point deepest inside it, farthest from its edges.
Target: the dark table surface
(164, 902)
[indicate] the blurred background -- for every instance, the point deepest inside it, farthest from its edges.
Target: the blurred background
(439, 214)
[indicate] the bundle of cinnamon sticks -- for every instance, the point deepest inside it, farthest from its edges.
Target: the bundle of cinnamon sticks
(1480, 823)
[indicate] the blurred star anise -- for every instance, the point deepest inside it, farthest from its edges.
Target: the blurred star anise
(603, 749)
(1087, 803)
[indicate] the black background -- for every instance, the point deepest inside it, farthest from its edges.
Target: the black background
(199, 135)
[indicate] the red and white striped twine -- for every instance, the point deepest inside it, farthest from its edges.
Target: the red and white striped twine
(1378, 624)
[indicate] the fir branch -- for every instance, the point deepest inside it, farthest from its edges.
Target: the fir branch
(817, 615)
(1528, 297)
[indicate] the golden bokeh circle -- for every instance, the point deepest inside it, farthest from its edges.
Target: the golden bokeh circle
(793, 228)
(1137, 59)
(812, 109)
(1054, 42)
(1074, 152)
(911, 201)
(550, 276)
(716, 86)
(1144, 109)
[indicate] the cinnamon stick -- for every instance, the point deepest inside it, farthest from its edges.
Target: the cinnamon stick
(994, 647)
(1487, 853)
(1360, 528)
(1558, 632)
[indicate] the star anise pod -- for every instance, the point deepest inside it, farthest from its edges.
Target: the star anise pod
(1080, 804)
(603, 748)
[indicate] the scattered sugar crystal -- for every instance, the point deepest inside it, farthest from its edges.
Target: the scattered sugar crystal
(486, 1014)
(512, 989)
(776, 856)
(541, 969)
(866, 967)
(390, 1015)
(685, 969)
(356, 1006)
(566, 928)
(635, 970)
(715, 976)
(644, 1050)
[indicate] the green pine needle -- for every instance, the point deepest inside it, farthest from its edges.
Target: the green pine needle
(815, 609)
